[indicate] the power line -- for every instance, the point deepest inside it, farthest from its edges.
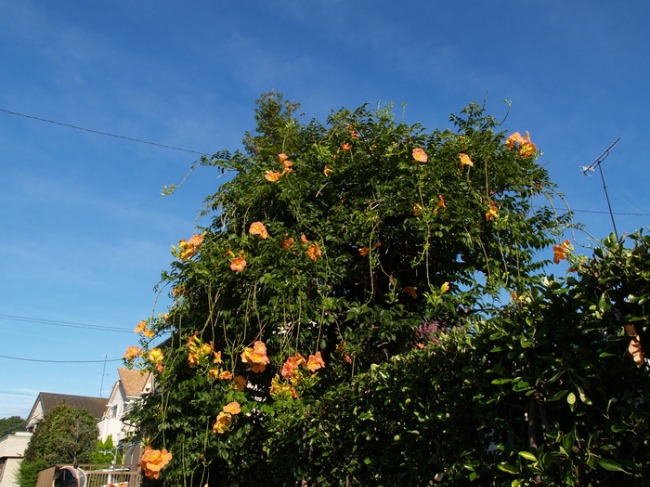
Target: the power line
(60, 361)
(67, 324)
(192, 151)
(600, 212)
(98, 132)
(618, 213)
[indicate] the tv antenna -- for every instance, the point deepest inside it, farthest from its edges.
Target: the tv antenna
(591, 167)
(101, 386)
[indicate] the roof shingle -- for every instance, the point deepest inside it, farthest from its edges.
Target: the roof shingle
(133, 381)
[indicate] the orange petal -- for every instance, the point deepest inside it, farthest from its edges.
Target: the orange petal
(419, 155)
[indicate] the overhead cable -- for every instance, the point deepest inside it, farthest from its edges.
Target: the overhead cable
(60, 361)
(98, 132)
(68, 324)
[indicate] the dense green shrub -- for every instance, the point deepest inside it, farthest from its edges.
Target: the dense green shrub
(352, 276)
(67, 435)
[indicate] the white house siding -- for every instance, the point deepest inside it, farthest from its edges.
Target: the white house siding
(12, 450)
(111, 424)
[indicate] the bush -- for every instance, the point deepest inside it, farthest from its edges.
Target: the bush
(340, 321)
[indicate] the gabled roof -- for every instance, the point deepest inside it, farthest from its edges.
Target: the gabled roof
(48, 401)
(133, 381)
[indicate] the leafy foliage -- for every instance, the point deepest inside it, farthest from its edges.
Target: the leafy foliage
(11, 424)
(67, 435)
(105, 452)
(384, 252)
(540, 393)
(27, 475)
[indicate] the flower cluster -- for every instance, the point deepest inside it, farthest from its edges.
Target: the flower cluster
(313, 250)
(419, 155)
(293, 374)
(341, 349)
(203, 354)
(428, 332)
(156, 357)
(153, 461)
(273, 176)
(132, 352)
(258, 228)
(560, 251)
(440, 205)
(290, 369)
(492, 213)
(142, 329)
(224, 418)
(199, 351)
(187, 248)
(411, 291)
(256, 357)
(525, 148)
(238, 262)
(465, 160)
(364, 251)
(418, 209)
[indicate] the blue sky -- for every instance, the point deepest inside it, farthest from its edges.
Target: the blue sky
(85, 232)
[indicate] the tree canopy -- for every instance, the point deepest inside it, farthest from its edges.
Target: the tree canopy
(368, 307)
(11, 424)
(67, 435)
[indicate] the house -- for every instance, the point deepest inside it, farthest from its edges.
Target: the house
(47, 401)
(12, 451)
(129, 389)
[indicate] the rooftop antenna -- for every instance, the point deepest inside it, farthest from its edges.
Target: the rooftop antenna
(101, 386)
(598, 162)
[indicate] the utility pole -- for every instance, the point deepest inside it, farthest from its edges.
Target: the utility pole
(598, 162)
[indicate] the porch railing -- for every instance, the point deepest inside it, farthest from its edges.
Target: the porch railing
(98, 476)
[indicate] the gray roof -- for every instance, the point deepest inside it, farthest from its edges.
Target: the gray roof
(94, 405)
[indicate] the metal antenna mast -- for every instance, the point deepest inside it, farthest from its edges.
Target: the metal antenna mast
(101, 386)
(597, 162)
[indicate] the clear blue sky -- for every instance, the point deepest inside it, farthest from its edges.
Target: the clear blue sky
(85, 232)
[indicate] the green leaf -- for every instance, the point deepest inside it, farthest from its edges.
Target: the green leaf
(498, 382)
(508, 468)
(528, 456)
(525, 343)
(571, 398)
(520, 385)
(604, 302)
(558, 395)
(612, 466)
(583, 396)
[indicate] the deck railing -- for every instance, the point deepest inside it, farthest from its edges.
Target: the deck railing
(97, 476)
